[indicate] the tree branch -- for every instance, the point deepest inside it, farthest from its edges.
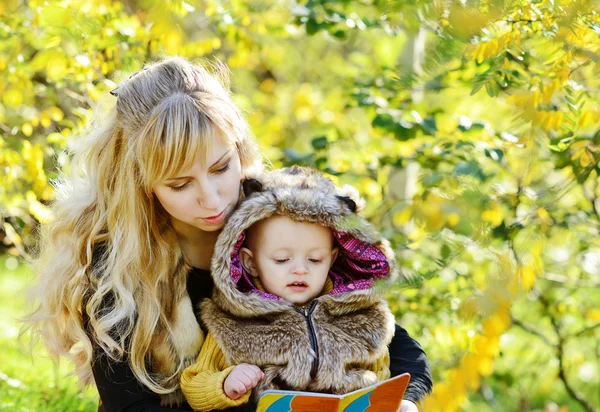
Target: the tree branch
(560, 353)
(531, 330)
(581, 65)
(584, 331)
(553, 277)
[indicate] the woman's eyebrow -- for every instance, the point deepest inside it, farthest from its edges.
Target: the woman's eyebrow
(189, 177)
(220, 158)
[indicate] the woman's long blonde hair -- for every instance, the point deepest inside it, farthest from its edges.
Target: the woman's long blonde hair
(110, 251)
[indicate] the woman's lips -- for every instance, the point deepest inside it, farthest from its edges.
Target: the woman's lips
(215, 220)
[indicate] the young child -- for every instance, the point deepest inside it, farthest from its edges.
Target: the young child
(294, 305)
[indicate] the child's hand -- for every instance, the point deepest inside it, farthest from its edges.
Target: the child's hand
(241, 379)
(408, 406)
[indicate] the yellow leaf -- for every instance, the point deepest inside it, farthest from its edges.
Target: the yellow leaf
(453, 219)
(557, 119)
(579, 146)
(11, 234)
(481, 52)
(493, 214)
(56, 68)
(172, 42)
(56, 114)
(527, 276)
(496, 324)
(12, 97)
(92, 92)
(492, 49)
(267, 85)
(403, 216)
(45, 120)
(417, 236)
(457, 380)
(586, 159)
(27, 129)
(41, 212)
(470, 370)
(469, 308)
(370, 187)
(544, 215)
(485, 366)
(53, 42)
(55, 16)
(593, 315)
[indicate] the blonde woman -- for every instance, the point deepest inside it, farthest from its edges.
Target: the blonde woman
(124, 264)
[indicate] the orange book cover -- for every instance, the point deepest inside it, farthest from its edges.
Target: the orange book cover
(382, 397)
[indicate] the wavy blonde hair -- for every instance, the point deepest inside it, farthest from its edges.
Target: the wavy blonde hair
(110, 251)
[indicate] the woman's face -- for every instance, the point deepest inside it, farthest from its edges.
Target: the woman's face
(203, 196)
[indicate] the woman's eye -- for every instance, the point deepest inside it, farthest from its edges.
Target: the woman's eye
(223, 169)
(179, 188)
(280, 261)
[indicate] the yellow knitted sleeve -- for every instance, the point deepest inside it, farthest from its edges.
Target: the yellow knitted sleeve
(202, 382)
(381, 366)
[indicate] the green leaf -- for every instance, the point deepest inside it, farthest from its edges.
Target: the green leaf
(496, 155)
(476, 88)
(469, 169)
(429, 125)
(339, 34)
(383, 120)
(319, 142)
(312, 26)
(489, 88)
(445, 251)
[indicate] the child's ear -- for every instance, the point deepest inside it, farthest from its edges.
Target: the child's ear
(334, 254)
(251, 186)
(247, 259)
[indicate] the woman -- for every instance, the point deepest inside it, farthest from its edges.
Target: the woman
(124, 262)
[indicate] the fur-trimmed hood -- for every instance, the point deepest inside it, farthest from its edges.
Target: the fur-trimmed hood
(303, 195)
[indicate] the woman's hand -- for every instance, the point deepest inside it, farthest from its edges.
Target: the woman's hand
(241, 379)
(408, 406)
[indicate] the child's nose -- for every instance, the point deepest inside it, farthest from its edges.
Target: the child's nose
(300, 268)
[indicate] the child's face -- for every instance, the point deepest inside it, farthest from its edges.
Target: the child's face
(291, 258)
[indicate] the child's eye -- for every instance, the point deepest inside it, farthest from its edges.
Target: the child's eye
(179, 188)
(315, 260)
(280, 261)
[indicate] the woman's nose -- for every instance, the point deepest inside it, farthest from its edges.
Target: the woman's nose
(208, 196)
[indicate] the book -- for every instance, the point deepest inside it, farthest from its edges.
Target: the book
(384, 396)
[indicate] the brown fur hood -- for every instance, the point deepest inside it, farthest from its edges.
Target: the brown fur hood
(304, 195)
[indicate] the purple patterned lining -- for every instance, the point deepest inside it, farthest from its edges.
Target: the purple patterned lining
(357, 266)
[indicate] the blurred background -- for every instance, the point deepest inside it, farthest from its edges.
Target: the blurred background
(470, 127)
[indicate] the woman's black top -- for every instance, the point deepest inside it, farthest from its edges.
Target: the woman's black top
(120, 390)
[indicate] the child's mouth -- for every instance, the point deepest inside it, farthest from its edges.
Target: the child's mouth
(297, 286)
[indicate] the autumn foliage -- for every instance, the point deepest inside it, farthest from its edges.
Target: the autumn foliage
(472, 129)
